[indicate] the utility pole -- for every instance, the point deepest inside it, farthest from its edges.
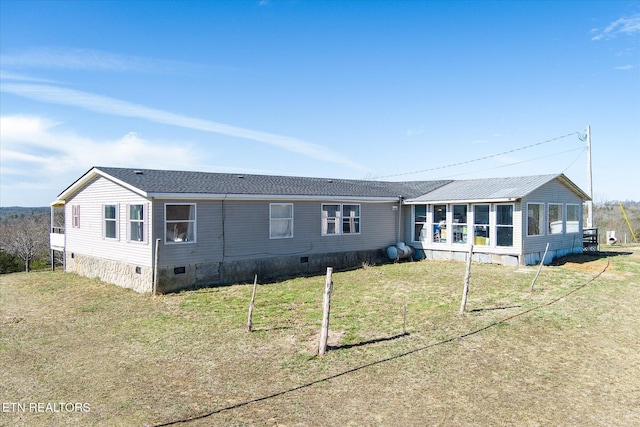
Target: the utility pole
(589, 180)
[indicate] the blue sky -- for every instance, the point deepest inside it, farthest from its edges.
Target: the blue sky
(352, 89)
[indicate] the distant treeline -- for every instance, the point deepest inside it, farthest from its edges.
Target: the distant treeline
(16, 212)
(609, 217)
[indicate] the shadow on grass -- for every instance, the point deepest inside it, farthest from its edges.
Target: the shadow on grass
(363, 343)
(276, 328)
(494, 308)
(587, 257)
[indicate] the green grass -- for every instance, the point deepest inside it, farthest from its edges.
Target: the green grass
(141, 360)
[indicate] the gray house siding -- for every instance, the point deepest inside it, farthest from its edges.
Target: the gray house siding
(233, 242)
(560, 244)
(91, 254)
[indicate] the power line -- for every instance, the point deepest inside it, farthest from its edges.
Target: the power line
(483, 158)
(582, 150)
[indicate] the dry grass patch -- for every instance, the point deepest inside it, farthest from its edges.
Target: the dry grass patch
(139, 360)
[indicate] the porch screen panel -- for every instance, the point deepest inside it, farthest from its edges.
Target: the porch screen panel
(459, 227)
(420, 223)
(440, 223)
(504, 225)
(481, 229)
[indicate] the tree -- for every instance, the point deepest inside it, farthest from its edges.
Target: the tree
(26, 238)
(9, 263)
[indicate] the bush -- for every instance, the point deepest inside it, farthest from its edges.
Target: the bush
(9, 263)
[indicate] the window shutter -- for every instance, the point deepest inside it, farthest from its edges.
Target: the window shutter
(103, 229)
(146, 225)
(128, 226)
(118, 222)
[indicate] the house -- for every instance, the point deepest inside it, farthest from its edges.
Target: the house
(167, 230)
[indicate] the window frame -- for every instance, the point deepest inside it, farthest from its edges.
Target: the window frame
(550, 222)
(541, 220)
(75, 216)
(339, 219)
(271, 219)
(424, 230)
(477, 224)
(500, 226)
(193, 221)
(141, 222)
(114, 220)
(438, 235)
(577, 220)
(459, 225)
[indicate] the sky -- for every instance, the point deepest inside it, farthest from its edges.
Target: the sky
(381, 90)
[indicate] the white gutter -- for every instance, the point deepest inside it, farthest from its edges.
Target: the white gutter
(205, 196)
(431, 202)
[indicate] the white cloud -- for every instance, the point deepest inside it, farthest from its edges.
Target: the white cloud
(624, 67)
(32, 146)
(85, 59)
(112, 106)
(6, 75)
(627, 26)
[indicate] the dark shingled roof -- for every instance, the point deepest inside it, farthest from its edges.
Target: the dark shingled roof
(153, 181)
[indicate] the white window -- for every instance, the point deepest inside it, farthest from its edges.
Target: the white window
(350, 219)
(481, 229)
(136, 223)
(459, 227)
(535, 219)
(280, 220)
(555, 225)
(440, 223)
(340, 219)
(180, 223)
(573, 218)
(504, 225)
(420, 223)
(75, 216)
(110, 221)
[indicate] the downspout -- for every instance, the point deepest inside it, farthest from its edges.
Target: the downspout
(155, 269)
(400, 199)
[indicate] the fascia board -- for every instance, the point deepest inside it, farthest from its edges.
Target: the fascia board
(201, 196)
(474, 201)
(91, 174)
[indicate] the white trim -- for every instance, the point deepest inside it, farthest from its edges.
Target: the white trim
(143, 222)
(417, 201)
(548, 222)
(542, 227)
(464, 224)
(116, 220)
(497, 226)
(566, 225)
(339, 218)
(274, 197)
(194, 221)
(271, 219)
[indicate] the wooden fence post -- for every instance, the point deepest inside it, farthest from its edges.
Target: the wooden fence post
(540, 267)
(326, 307)
(404, 320)
(467, 276)
(251, 305)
